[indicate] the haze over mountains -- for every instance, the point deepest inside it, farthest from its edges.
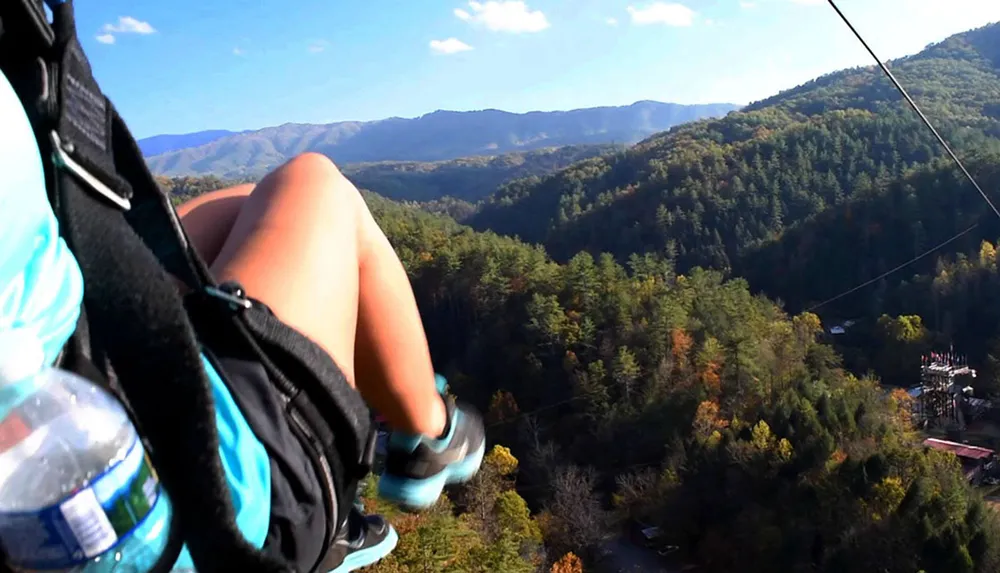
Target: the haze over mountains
(437, 136)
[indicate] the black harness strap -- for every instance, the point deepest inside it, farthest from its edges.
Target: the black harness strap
(133, 307)
(153, 217)
(128, 240)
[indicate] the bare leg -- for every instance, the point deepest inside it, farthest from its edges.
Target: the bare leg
(209, 218)
(304, 243)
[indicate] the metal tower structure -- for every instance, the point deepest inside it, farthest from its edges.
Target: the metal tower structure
(941, 391)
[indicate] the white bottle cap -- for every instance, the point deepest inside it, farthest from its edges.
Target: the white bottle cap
(21, 355)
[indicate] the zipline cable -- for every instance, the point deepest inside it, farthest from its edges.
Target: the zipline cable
(915, 107)
(899, 87)
(887, 273)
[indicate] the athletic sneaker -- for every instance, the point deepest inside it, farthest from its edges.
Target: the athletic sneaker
(418, 467)
(364, 539)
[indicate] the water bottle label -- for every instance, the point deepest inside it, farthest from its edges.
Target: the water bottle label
(86, 523)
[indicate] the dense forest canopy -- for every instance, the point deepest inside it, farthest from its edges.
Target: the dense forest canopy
(891, 221)
(634, 392)
(703, 408)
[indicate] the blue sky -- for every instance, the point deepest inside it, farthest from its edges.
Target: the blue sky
(189, 65)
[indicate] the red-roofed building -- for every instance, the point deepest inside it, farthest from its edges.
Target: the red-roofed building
(960, 450)
(973, 458)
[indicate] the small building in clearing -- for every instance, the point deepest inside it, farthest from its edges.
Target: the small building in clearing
(972, 458)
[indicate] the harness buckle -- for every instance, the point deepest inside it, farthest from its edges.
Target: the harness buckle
(62, 160)
(231, 293)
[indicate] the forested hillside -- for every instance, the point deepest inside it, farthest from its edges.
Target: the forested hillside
(956, 303)
(683, 400)
(468, 178)
(889, 222)
(700, 407)
(711, 192)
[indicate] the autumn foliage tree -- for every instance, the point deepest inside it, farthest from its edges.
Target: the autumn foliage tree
(503, 408)
(568, 563)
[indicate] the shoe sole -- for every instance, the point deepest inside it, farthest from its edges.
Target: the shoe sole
(418, 494)
(369, 555)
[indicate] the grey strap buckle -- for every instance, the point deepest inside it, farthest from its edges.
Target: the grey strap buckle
(233, 299)
(64, 161)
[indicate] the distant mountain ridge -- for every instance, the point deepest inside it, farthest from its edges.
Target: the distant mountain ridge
(158, 144)
(437, 136)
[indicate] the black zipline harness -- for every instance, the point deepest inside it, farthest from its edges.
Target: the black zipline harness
(139, 337)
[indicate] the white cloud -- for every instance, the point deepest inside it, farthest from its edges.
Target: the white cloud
(449, 46)
(238, 52)
(612, 21)
(129, 25)
(125, 25)
(318, 46)
(747, 5)
(807, 2)
(504, 16)
(666, 13)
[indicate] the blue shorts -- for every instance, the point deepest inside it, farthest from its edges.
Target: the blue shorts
(247, 467)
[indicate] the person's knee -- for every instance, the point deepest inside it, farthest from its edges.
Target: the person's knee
(312, 164)
(322, 176)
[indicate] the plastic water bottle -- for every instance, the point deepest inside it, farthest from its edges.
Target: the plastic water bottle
(77, 489)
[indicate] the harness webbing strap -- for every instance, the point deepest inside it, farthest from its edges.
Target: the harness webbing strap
(87, 126)
(152, 215)
(136, 312)
(128, 241)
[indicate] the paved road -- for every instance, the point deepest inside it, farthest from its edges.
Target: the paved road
(626, 557)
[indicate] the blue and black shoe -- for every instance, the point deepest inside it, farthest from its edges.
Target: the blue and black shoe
(364, 540)
(417, 468)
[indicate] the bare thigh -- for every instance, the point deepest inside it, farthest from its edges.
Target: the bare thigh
(293, 246)
(209, 218)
